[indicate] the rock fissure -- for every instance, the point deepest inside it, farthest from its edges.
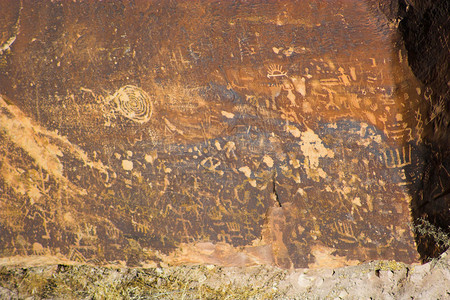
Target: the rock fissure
(274, 191)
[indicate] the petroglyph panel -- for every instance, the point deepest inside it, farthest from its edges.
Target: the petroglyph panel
(136, 133)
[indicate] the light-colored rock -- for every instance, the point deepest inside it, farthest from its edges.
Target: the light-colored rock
(374, 280)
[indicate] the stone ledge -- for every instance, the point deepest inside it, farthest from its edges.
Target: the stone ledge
(374, 280)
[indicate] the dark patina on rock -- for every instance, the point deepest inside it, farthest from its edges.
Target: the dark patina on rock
(286, 133)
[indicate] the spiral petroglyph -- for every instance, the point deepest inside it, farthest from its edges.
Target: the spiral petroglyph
(133, 103)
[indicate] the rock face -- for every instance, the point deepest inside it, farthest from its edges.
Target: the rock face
(425, 29)
(376, 280)
(284, 133)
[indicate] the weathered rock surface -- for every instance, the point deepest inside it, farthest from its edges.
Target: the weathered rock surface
(374, 280)
(425, 28)
(284, 133)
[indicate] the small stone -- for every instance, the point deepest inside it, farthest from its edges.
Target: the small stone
(343, 294)
(304, 281)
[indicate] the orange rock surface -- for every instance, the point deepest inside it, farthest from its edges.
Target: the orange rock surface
(261, 132)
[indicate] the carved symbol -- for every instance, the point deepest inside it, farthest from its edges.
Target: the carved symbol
(346, 232)
(251, 99)
(75, 255)
(344, 78)
(133, 103)
(211, 164)
(299, 84)
(419, 126)
(139, 227)
(224, 237)
(274, 71)
(186, 236)
(38, 249)
(179, 61)
(289, 87)
(248, 46)
(233, 226)
(397, 159)
(172, 128)
(399, 134)
(215, 214)
(428, 93)
(437, 112)
(229, 149)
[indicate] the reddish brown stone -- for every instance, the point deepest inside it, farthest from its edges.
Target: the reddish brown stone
(284, 133)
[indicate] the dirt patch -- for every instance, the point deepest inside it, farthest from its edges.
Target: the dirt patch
(374, 280)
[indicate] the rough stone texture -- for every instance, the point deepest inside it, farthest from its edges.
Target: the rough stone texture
(425, 28)
(374, 280)
(285, 133)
